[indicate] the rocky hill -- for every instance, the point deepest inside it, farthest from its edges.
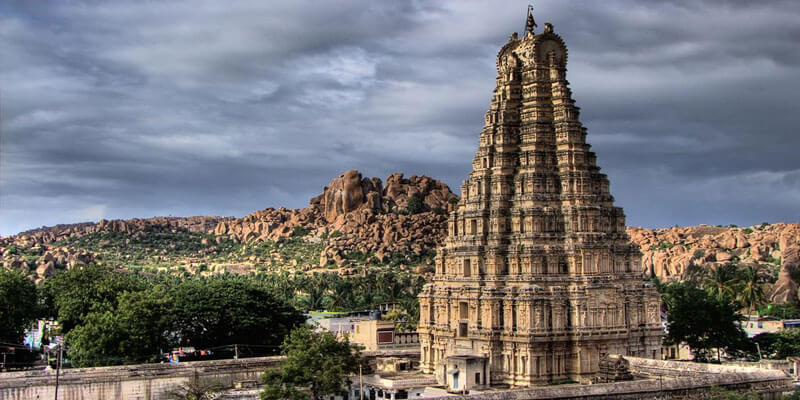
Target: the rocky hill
(672, 253)
(359, 215)
(359, 222)
(43, 250)
(354, 222)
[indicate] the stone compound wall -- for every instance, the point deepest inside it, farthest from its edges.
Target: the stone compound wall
(656, 379)
(660, 380)
(130, 382)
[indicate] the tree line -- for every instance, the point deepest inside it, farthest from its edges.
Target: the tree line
(112, 316)
(705, 312)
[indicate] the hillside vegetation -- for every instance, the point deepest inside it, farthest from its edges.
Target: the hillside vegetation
(360, 225)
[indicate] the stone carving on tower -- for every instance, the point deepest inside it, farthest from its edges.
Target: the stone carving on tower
(537, 274)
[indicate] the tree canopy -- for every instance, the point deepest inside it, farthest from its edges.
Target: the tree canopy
(116, 317)
(316, 363)
(18, 305)
(779, 345)
(701, 320)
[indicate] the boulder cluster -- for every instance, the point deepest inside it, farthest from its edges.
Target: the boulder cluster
(363, 215)
(359, 214)
(36, 249)
(45, 265)
(45, 235)
(668, 253)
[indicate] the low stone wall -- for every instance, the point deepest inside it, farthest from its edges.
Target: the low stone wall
(144, 381)
(782, 365)
(659, 380)
(135, 382)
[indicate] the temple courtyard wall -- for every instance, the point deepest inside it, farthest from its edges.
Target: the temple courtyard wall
(135, 382)
(659, 379)
(655, 379)
(146, 381)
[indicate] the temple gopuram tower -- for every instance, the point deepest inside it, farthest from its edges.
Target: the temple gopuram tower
(537, 279)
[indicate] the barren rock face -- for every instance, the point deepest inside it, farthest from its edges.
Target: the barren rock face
(351, 192)
(359, 209)
(398, 190)
(48, 235)
(668, 253)
(785, 289)
(347, 193)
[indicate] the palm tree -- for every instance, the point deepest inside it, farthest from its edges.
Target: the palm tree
(314, 298)
(720, 281)
(342, 296)
(410, 307)
(750, 288)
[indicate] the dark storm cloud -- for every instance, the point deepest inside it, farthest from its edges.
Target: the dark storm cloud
(123, 109)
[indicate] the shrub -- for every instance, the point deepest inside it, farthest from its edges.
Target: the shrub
(416, 204)
(300, 231)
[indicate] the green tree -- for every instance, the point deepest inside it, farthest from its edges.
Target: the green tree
(342, 294)
(783, 311)
(750, 288)
(702, 321)
(416, 204)
(779, 345)
(314, 298)
(138, 330)
(18, 305)
(221, 310)
(316, 363)
(203, 312)
(96, 341)
(95, 288)
(720, 281)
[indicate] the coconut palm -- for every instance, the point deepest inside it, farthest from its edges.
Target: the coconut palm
(342, 295)
(314, 298)
(720, 281)
(750, 288)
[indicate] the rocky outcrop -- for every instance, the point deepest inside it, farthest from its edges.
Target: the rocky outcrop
(49, 260)
(160, 224)
(785, 289)
(351, 192)
(360, 214)
(347, 193)
(41, 242)
(270, 224)
(365, 215)
(383, 234)
(669, 253)
(46, 235)
(435, 194)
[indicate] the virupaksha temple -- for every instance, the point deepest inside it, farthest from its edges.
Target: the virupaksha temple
(537, 279)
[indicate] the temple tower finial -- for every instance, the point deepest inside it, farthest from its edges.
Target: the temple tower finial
(530, 23)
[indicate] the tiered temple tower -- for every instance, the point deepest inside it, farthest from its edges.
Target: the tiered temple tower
(537, 276)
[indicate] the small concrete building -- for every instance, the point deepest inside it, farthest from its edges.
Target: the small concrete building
(404, 385)
(755, 325)
(465, 372)
(381, 335)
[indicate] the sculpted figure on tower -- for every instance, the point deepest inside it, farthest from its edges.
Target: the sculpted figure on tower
(537, 275)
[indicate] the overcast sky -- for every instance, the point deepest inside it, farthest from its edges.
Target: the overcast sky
(140, 109)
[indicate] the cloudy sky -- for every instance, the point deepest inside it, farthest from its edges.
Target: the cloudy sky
(138, 109)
